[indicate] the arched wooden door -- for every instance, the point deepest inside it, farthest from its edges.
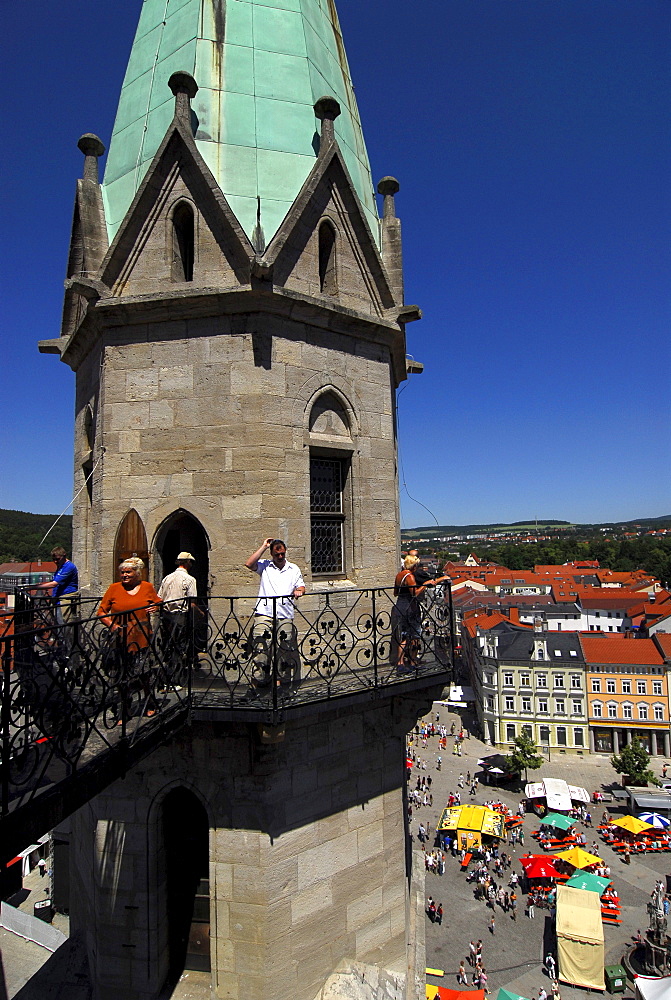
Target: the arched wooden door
(131, 540)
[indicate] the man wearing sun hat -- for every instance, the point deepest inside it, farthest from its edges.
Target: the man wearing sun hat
(178, 591)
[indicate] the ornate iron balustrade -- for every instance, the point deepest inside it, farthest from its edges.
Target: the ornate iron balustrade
(73, 693)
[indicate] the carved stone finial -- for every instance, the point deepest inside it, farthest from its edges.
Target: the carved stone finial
(92, 148)
(388, 187)
(185, 88)
(327, 110)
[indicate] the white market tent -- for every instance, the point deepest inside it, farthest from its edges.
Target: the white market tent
(557, 793)
(648, 988)
(580, 944)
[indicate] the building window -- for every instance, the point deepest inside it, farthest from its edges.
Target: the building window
(659, 713)
(510, 733)
(578, 738)
(508, 679)
(541, 680)
(540, 654)
(576, 681)
(560, 706)
(525, 680)
(489, 678)
(490, 704)
(526, 704)
(656, 687)
(612, 710)
(542, 704)
(328, 278)
(559, 680)
(183, 243)
(627, 710)
(643, 712)
(596, 685)
(610, 685)
(626, 687)
(528, 731)
(577, 707)
(596, 709)
(326, 515)
(510, 704)
(561, 736)
(641, 687)
(544, 734)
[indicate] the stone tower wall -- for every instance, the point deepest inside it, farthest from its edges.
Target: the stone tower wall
(212, 415)
(307, 856)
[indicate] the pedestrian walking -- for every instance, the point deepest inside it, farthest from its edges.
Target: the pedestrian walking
(471, 953)
(550, 965)
(439, 914)
(531, 913)
(492, 924)
(461, 975)
(478, 951)
(42, 865)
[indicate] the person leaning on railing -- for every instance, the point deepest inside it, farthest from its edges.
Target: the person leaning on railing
(127, 607)
(407, 613)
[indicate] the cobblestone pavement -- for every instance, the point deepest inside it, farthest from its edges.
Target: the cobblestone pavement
(513, 956)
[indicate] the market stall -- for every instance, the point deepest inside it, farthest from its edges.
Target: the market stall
(555, 795)
(580, 941)
(471, 824)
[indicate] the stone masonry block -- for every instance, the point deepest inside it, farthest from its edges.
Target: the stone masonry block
(161, 413)
(311, 901)
(142, 384)
(359, 911)
(369, 841)
(175, 381)
(127, 416)
(240, 507)
(327, 860)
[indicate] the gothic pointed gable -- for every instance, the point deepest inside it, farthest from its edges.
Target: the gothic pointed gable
(325, 246)
(179, 230)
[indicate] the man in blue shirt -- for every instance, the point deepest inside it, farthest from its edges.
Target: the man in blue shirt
(64, 586)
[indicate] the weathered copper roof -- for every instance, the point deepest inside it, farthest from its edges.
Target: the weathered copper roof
(260, 67)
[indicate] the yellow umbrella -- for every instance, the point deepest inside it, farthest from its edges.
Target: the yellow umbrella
(632, 824)
(579, 858)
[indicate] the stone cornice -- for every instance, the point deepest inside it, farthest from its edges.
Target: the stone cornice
(168, 306)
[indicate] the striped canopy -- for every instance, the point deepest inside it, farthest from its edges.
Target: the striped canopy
(655, 820)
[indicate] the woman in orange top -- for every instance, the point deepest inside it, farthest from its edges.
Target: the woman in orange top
(133, 597)
(126, 608)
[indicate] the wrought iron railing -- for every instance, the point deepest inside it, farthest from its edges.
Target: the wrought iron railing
(73, 691)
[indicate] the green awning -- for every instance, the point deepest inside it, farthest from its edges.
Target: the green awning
(508, 995)
(557, 820)
(589, 881)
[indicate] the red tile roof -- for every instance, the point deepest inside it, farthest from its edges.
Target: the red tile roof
(663, 640)
(610, 648)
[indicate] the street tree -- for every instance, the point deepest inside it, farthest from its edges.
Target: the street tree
(524, 755)
(633, 760)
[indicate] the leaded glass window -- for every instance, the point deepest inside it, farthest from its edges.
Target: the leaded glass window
(326, 515)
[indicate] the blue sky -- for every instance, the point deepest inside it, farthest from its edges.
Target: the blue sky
(532, 143)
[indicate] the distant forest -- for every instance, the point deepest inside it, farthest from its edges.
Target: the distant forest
(20, 535)
(648, 553)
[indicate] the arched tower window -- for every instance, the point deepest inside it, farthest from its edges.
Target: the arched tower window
(330, 485)
(328, 278)
(183, 243)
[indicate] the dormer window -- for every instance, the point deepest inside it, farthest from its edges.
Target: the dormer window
(183, 242)
(328, 278)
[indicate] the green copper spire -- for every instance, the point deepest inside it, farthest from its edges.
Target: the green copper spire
(260, 65)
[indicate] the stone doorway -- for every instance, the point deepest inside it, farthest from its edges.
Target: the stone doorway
(187, 855)
(182, 532)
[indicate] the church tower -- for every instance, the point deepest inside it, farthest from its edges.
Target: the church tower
(234, 306)
(234, 315)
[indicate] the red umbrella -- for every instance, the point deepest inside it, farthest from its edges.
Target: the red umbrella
(539, 866)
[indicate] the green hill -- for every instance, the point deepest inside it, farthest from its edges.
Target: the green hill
(21, 533)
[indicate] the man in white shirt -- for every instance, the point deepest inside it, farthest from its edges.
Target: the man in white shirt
(281, 583)
(178, 591)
